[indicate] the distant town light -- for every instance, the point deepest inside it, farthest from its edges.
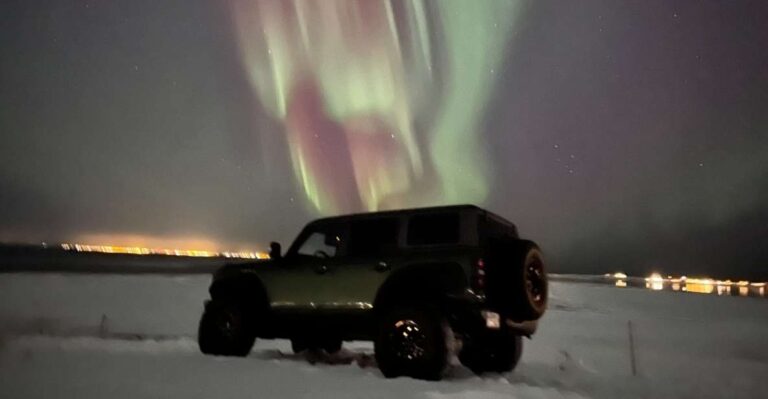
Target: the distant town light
(655, 282)
(114, 249)
(703, 285)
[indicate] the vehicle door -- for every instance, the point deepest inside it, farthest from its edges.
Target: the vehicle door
(368, 258)
(301, 283)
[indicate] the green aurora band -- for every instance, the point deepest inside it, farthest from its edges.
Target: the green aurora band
(381, 101)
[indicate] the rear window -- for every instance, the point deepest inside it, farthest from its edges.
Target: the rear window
(372, 237)
(434, 229)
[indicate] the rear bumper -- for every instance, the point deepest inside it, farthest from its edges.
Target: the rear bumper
(494, 321)
(470, 315)
(526, 328)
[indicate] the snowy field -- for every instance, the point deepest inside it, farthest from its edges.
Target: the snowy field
(133, 336)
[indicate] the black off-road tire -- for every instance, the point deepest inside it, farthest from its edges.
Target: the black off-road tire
(226, 330)
(517, 280)
(499, 352)
(412, 342)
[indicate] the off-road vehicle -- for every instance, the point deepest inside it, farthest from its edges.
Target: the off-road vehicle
(412, 281)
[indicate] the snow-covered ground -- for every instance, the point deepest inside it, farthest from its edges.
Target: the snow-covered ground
(133, 336)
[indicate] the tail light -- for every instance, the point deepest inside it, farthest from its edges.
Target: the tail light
(479, 276)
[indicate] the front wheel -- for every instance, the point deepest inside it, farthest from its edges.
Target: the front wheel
(225, 329)
(412, 342)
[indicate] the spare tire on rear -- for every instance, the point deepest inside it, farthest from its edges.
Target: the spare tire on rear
(517, 281)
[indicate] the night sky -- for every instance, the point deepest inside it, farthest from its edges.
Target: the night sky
(624, 136)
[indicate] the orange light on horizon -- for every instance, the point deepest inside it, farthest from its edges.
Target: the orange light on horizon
(115, 249)
(699, 285)
(142, 244)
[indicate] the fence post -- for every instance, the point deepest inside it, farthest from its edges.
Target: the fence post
(631, 348)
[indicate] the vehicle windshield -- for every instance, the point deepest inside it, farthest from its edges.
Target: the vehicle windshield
(319, 244)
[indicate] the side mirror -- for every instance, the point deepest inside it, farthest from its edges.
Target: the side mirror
(275, 250)
(331, 240)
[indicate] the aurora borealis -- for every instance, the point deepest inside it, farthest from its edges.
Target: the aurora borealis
(380, 100)
(623, 136)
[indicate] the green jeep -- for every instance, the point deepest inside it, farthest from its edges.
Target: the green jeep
(412, 281)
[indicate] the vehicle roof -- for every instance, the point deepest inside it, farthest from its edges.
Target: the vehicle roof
(409, 211)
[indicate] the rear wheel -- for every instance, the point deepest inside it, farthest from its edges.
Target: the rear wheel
(499, 353)
(225, 329)
(412, 342)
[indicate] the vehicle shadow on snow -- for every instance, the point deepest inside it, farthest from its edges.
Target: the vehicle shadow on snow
(342, 357)
(530, 375)
(361, 358)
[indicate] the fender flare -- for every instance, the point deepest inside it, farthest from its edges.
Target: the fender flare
(249, 290)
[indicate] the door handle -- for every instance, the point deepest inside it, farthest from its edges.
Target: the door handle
(321, 269)
(382, 267)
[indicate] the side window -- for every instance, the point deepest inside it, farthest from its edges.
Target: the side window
(439, 228)
(490, 229)
(373, 237)
(319, 244)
